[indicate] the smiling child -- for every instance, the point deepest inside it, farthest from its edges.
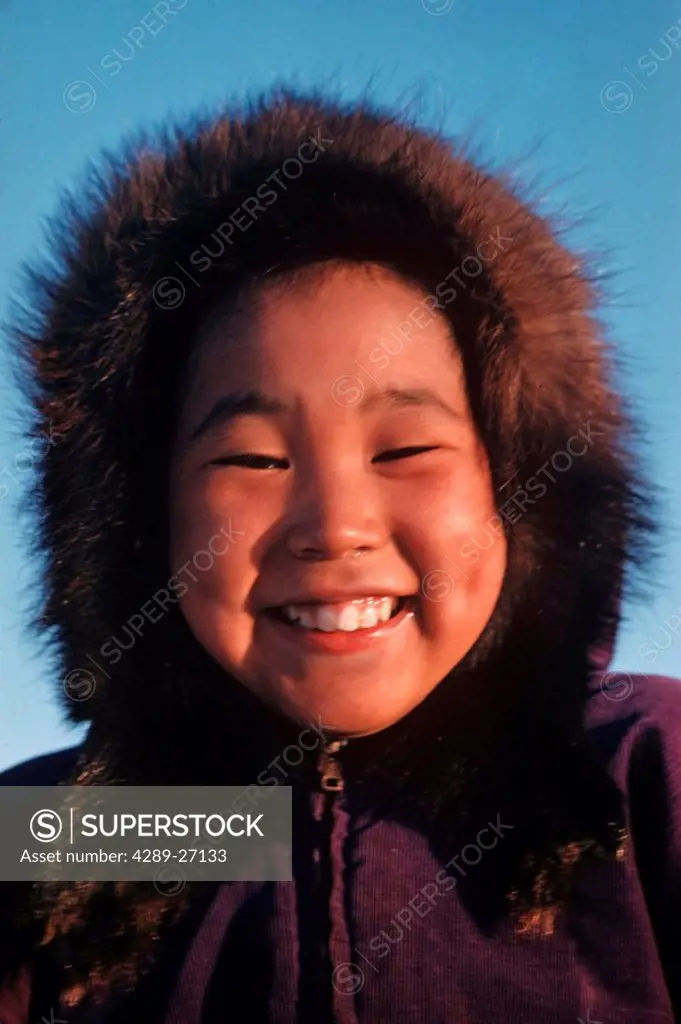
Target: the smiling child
(340, 457)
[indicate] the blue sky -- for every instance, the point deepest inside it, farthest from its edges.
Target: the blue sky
(583, 97)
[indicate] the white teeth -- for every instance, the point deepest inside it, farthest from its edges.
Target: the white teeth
(384, 609)
(362, 613)
(368, 616)
(348, 620)
(326, 619)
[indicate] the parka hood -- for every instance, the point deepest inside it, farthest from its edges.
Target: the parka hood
(196, 212)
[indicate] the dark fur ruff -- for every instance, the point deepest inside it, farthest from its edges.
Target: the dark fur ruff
(103, 363)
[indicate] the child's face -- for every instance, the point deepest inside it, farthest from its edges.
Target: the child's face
(341, 478)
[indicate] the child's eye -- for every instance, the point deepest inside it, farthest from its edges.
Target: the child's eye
(249, 460)
(404, 453)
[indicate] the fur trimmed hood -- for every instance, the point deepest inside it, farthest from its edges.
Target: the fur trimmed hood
(199, 211)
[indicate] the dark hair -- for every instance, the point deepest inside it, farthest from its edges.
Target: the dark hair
(105, 369)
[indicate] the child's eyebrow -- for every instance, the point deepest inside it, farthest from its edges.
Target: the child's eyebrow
(255, 403)
(227, 408)
(400, 397)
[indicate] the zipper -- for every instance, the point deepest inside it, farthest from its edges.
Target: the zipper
(333, 821)
(330, 770)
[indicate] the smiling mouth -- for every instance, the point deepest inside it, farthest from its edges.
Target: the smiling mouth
(357, 615)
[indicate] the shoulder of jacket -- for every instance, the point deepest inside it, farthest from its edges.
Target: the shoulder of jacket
(634, 721)
(623, 700)
(46, 770)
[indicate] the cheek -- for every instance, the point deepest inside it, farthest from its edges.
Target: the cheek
(191, 526)
(459, 543)
(207, 543)
(200, 509)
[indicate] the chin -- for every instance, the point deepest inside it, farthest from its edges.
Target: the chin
(341, 717)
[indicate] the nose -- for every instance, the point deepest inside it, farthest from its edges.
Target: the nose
(336, 514)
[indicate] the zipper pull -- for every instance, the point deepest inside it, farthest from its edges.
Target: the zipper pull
(329, 767)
